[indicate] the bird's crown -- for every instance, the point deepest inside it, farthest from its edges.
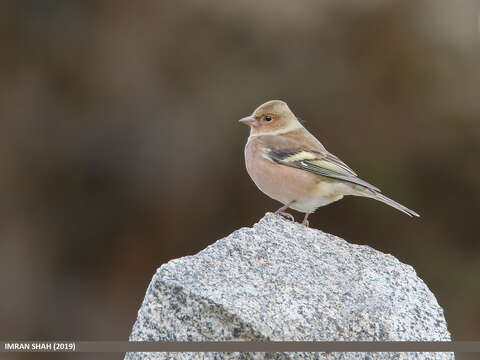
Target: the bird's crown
(277, 107)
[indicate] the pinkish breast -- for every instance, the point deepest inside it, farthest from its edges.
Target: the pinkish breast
(280, 182)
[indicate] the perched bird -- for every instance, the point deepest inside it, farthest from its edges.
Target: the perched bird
(290, 165)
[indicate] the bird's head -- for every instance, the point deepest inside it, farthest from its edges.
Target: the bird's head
(273, 117)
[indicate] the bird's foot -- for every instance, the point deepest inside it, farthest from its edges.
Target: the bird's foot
(305, 220)
(282, 212)
(286, 215)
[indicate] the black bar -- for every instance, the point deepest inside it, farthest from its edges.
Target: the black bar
(243, 346)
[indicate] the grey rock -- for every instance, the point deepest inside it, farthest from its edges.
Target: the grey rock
(283, 281)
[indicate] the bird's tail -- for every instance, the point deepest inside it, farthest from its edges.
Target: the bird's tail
(392, 203)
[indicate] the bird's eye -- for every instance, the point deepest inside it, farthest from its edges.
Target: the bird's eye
(268, 118)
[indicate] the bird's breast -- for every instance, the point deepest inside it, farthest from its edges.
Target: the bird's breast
(280, 182)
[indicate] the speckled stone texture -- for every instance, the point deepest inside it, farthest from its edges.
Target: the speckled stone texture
(282, 281)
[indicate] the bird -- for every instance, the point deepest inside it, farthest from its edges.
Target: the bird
(288, 164)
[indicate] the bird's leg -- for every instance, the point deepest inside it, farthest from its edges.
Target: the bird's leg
(305, 220)
(282, 212)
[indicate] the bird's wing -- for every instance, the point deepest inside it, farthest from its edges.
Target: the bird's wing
(289, 153)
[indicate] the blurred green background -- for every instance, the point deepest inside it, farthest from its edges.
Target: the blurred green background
(120, 147)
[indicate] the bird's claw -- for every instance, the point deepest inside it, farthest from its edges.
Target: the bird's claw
(286, 215)
(306, 223)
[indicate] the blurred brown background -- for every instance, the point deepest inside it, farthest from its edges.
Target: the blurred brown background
(120, 147)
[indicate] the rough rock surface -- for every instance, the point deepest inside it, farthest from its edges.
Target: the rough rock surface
(282, 281)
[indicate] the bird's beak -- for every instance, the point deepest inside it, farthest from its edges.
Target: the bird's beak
(249, 120)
